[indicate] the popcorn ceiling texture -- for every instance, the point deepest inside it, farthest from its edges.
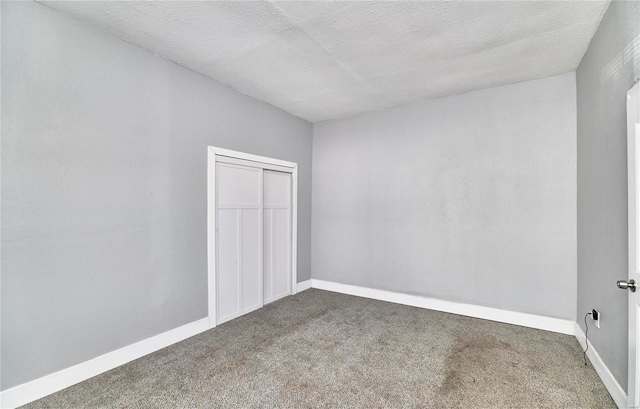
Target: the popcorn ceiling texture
(325, 60)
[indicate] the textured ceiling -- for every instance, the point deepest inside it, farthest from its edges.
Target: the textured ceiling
(325, 60)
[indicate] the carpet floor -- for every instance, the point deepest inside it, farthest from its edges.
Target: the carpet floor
(326, 350)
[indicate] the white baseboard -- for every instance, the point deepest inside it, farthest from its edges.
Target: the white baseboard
(493, 314)
(614, 388)
(304, 285)
(41, 387)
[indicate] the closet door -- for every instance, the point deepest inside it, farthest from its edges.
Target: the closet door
(239, 253)
(277, 235)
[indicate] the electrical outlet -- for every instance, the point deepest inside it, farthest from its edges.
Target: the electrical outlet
(596, 316)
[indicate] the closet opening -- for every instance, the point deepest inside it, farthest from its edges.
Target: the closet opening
(251, 232)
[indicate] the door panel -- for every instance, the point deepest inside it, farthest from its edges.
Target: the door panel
(239, 243)
(277, 235)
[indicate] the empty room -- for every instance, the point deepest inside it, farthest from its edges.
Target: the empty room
(332, 204)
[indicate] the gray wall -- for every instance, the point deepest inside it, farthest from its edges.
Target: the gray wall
(605, 75)
(469, 198)
(104, 188)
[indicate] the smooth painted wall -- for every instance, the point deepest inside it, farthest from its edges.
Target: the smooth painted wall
(604, 76)
(104, 188)
(469, 198)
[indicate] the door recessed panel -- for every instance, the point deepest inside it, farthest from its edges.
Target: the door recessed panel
(277, 189)
(238, 185)
(281, 252)
(228, 264)
(267, 257)
(251, 271)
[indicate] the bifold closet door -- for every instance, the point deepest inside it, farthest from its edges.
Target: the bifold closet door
(277, 235)
(239, 255)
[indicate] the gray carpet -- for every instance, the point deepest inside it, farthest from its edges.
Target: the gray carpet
(327, 350)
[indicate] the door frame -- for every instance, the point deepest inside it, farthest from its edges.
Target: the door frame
(214, 155)
(633, 162)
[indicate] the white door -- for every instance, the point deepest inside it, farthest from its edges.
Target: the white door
(277, 235)
(633, 163)
(239, 252)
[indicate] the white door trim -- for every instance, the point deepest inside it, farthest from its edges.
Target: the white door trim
(633, 138)
(219, 154)
(253, 158)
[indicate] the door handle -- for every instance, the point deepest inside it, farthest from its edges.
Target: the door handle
(627, 285)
